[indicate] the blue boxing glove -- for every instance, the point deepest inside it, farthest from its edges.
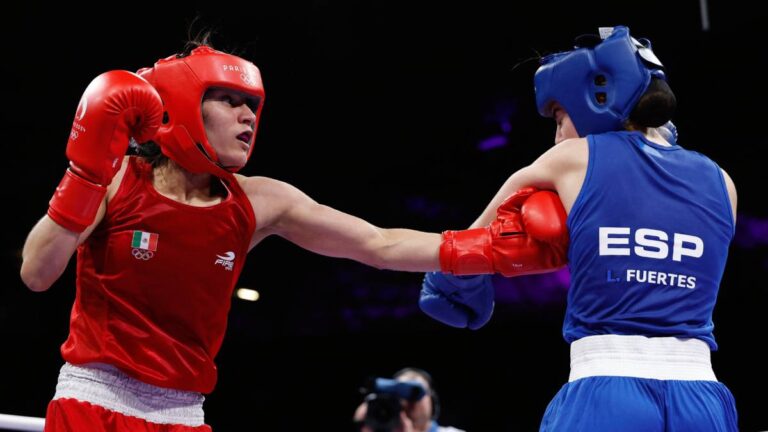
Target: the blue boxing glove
(459, 301)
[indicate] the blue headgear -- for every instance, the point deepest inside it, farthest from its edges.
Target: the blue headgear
(599, 82)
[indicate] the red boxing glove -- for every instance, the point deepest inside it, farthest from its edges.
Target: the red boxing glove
(116, 106)
(529, 236)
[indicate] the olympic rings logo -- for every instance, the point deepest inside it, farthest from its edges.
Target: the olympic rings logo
(247, 79)
(142, 254)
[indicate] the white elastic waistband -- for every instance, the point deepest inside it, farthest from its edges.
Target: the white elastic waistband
(106, 386)
(663, 358)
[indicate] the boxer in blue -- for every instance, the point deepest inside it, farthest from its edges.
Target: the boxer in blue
(650, 224)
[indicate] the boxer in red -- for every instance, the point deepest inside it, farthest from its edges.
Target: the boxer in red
(161, 238)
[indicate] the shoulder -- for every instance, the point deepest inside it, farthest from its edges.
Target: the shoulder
(264, 187)
(729, 183)
(567, 148)
(728, 180)
(731, 187)
(271, 199)
(568, 154)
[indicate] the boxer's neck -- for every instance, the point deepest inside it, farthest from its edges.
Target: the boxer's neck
(178, 184)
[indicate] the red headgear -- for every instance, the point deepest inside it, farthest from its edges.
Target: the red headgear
(181, 83)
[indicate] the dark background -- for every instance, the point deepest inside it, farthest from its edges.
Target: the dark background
(385, 110)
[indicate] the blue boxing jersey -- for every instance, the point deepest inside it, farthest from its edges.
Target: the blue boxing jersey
(650, 232)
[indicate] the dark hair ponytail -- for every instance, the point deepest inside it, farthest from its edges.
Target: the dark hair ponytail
(655, 107)
(149, 151)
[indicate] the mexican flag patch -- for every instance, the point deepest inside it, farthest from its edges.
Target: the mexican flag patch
(144, 240)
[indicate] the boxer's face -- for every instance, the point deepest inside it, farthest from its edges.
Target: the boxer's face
(229, 118)
(565, 128)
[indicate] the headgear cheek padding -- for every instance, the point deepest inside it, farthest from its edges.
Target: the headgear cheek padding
(597, 85)
(181, 83)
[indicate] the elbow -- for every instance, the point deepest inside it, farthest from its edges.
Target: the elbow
(35, 285)
(33, 281)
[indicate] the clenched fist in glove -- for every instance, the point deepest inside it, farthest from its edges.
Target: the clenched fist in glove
(116, 106)
(459, 301)
(528, 236)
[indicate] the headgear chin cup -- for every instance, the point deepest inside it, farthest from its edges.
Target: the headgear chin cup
(599, 82)
(181, 83)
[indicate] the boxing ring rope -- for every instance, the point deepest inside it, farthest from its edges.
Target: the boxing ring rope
(21, 423)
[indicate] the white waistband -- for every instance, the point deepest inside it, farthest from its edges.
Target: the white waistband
(106, 386)
(663, 358)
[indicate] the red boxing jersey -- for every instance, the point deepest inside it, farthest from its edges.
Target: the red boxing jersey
(155, 281)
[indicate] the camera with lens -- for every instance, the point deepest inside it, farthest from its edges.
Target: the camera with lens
(385, 401)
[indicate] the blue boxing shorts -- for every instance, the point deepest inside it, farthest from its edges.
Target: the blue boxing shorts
(641, 384)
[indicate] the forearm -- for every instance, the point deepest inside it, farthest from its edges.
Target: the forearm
(327, 231)
(406, 250)
(46, 253)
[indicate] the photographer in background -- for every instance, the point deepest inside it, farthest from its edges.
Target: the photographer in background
(407, 403)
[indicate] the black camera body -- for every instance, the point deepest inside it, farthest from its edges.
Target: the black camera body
(385, 401)
(383, 413)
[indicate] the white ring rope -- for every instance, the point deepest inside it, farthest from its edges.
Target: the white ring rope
(21, 423)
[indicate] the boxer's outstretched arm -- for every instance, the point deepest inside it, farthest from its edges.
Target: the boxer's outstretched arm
(284, 210)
